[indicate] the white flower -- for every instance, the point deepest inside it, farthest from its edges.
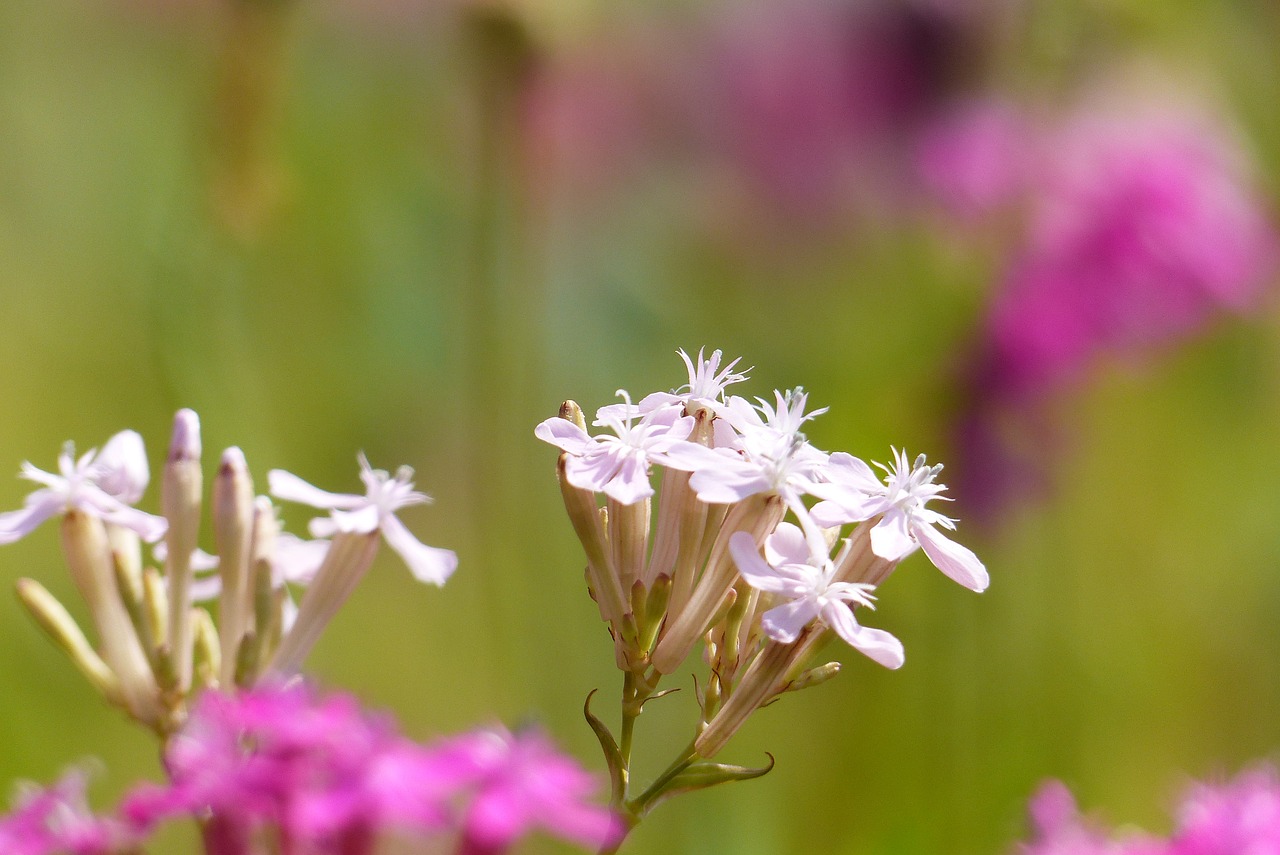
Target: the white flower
(102, 484)
(374, 511)
(773, 454)
(805, 580)
(617, 466)
(854, 494)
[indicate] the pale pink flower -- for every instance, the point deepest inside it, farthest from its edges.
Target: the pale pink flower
(102, 483)
(772, 454)
(805, 581)
(618, 465)
(374, 511)
(854, 494)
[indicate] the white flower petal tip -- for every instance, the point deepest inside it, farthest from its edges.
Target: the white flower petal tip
(956, 561)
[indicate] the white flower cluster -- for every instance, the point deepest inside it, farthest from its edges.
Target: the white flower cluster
(747, 547)
(155, 646)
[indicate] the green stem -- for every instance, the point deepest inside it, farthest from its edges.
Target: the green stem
(637, 805)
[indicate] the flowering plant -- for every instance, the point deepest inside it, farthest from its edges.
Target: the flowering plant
(743, 549)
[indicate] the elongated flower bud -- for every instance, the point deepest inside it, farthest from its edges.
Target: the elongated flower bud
(180, 497)
(233, 533)
(62, 628)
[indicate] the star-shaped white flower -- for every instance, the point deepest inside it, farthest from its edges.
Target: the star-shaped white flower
(773, 455)
(104, 484)
(854, 494)
(374, 511)
(617, 466)
(805, 581)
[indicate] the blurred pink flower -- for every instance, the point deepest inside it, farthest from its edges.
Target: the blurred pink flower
(1240, 817)
(57, 820)
(1143, 225)
(331, 778)
(1059, 829)
(317, 768)
(515, 783)
(975, 158)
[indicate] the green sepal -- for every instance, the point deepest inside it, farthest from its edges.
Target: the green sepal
(612, 756)
(700, 776)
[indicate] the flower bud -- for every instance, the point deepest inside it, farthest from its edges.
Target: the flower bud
(233, 534)
(180, 497)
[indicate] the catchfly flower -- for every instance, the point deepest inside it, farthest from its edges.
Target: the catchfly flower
(103, 484)
(618, 465)
(854, 494)
(807, 583)
(374, 511)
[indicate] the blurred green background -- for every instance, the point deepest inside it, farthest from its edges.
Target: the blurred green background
(332, 226)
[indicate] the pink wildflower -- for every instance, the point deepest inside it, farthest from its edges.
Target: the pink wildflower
(57, 820)
(516, 783)
(1241, 816)
(317, 769)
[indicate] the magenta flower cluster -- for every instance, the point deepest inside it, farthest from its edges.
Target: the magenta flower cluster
(323, 777)
(1142, 224)
(1239, 817)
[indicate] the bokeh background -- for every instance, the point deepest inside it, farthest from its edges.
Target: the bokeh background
(414, 227)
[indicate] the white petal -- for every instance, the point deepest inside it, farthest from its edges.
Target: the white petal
(564, 434)
(729, 484)
(322, 527)
(359, 521)
(205, 588)
(877, 644)
(842, 504)
(593, 471)
(120, 469)
(147, 526)
(40, 506)
(426, 563)
(291, 488)
(786, 622)
(631, 484)
(890, 539)
(787, 545)
(852, 472)
(753, 568)
(296, 560)
(957, 561)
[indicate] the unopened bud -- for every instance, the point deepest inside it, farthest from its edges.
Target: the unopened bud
(206, 650)
(233, 534)
(570, 411)
(181, 497)
(65, 632)
(813, 677)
